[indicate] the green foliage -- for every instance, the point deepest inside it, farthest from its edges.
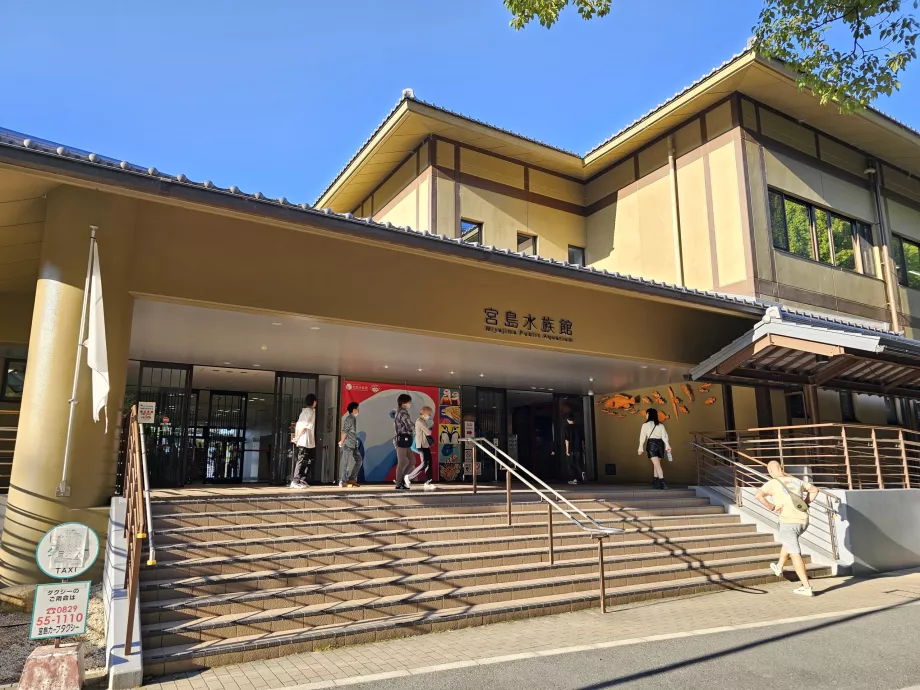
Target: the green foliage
(547, 11)
(845, 51)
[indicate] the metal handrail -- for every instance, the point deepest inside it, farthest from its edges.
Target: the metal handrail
(553, 500)
(138, 517)
(544, 488)
(739, 467)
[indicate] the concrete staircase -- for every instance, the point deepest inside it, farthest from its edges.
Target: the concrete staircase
(254, 577)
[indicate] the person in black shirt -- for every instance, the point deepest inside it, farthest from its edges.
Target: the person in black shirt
(574, 452)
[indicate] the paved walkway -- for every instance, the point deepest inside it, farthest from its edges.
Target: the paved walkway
(740, 609)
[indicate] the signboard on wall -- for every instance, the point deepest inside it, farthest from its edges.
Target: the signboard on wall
(146, 412)
(450, 414)
(376, 429)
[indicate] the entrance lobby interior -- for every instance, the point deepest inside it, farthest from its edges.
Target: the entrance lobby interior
(230, 384)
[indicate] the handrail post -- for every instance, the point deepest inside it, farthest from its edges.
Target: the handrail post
(549, 528)
(474, 467)
(602, 579)
(135, 566)
(779, 445)
(904, 459)
(846, 457)
(878, 463)
(508, 493)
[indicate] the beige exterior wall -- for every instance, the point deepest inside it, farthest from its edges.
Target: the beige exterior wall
(618, 438)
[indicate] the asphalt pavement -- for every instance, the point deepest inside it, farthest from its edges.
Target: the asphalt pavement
(877, 650)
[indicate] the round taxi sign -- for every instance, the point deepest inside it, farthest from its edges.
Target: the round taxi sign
(67, 550)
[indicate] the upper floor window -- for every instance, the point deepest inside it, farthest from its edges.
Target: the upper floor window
(471, 232)
(576, 255)
(818, 234)
(527, 245)
(14, 376)
(907, 260)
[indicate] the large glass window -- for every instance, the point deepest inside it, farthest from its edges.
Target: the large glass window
(471, 231)
(816, 233)
(907, 260)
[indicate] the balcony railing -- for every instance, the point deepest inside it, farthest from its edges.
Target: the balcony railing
(833, 456)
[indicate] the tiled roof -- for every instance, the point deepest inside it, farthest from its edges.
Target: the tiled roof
(411, 98)
(43, 147)
(16, 140)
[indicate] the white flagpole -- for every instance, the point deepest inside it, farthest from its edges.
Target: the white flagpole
(63, 488)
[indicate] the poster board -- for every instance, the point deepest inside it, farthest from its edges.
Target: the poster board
(376, 429)
(450, 416)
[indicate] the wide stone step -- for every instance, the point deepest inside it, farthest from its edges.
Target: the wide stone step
(336, 569)
(356, 499)
(428, 528)
(393, 582)
(407, 513)
(194, 655)
(205, 628)
(369, 546)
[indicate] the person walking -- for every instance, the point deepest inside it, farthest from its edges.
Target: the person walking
(351, 457)
(789, 498)
(304, 443)
(653, 440)
(574, 451)
(423, 441)
(405, 429)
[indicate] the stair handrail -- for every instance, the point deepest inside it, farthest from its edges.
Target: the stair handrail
(553, 499)
(829, 499)
(138, 517)
(755, 461)
(544, 489)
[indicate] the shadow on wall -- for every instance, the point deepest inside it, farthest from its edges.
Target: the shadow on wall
(881, 529)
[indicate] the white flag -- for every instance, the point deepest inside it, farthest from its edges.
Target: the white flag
(96, 353)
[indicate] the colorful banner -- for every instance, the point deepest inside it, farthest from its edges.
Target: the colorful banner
(376, 429)
(450, 417)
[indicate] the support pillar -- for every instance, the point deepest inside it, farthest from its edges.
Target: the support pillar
(33, 507)
(812, 406)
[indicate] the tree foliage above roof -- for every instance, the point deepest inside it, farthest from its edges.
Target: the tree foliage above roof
(846, 51)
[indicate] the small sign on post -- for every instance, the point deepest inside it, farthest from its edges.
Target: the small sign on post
(146, 412)
(67, 551)
(60, 610)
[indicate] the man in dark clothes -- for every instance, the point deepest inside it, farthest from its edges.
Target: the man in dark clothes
(574, 452)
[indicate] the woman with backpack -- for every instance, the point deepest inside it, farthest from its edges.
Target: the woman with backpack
(653, 440)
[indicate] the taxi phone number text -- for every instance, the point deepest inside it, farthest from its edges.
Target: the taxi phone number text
(60, 619)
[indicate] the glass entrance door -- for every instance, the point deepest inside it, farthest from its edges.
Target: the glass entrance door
(225, 437)
(291, 391)
(169, 387)
(581, 409)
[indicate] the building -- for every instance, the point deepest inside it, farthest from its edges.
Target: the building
(452, 254)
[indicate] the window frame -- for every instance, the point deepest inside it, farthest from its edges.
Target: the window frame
(900, 261)
(583, 262)
(530, 238)
(860, 232)
(477, 226)
(7, 362)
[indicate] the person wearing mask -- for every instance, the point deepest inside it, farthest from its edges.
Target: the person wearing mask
(351, 457)
(423, 441)
(653, 440)
(405, 430)
(789, 498)
(574, 451)
(304, 443)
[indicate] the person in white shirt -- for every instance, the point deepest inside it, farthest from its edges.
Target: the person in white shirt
(653, 440)
(304, 443)
(424, 442)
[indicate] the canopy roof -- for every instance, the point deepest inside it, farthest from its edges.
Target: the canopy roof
(788, 350)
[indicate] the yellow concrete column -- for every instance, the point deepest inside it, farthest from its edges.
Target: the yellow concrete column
(33, 507)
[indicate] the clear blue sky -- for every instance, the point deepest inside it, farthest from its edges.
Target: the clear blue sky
(276, 95)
